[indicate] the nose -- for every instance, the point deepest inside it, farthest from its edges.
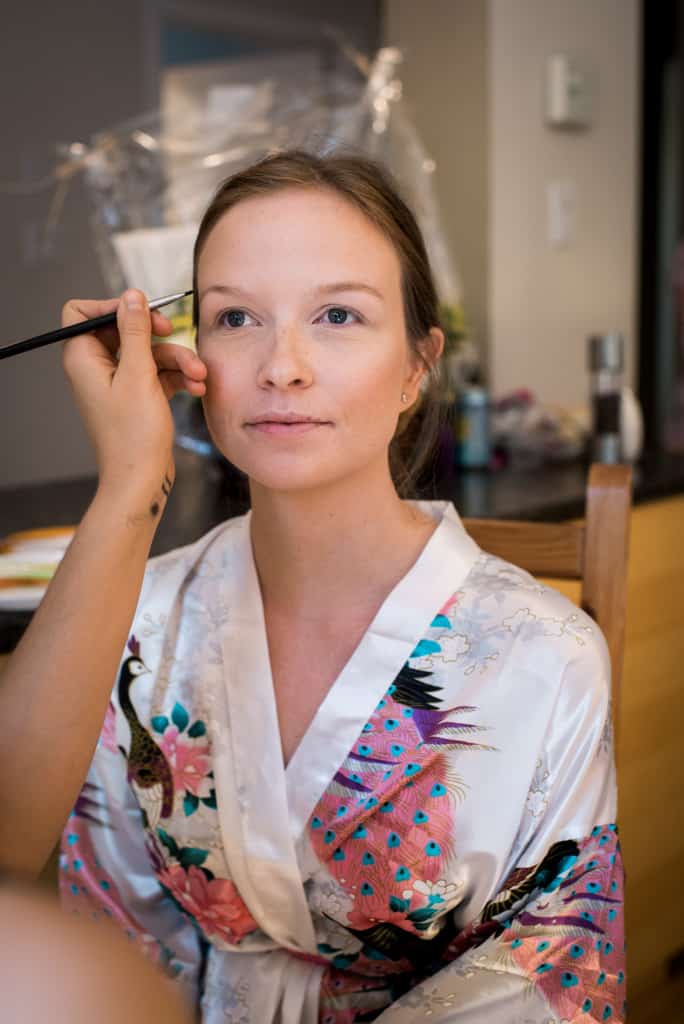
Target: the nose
(285, 364)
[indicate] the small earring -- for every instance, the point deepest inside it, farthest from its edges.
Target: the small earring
(404, 397)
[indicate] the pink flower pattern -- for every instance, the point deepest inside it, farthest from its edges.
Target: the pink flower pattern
(215, 904)
(108, 733)
(189, 761)
(385, 829)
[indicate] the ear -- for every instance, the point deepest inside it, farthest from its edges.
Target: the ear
(431, 348)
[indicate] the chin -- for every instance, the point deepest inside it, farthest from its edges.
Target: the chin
(293, 478)
(296, 474)
(301, 468)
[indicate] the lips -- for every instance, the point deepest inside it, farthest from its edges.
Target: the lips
(283, 417)
(285, 424)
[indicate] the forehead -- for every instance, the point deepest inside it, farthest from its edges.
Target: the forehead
(314, 229)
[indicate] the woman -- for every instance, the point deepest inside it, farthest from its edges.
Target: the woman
(353, 767)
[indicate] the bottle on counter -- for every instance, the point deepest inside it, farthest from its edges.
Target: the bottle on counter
(473, 444)
(605, 367)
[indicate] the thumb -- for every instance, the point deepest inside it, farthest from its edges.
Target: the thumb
(135, 332)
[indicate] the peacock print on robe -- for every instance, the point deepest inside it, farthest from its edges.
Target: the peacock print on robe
(386, 825)
(441, 846)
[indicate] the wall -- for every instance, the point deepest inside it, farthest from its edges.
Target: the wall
(474, 75)
(68, 70)
(545, 301)
(445, 84)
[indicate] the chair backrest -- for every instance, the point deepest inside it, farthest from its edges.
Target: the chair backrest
(593, 551)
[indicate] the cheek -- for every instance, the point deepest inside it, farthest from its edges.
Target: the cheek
(370, 408)
(221, 403)
(374, 387)
(224, 374)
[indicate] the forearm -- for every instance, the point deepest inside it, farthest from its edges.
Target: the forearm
(55, 688)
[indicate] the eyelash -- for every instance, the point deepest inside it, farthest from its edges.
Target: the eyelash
(236, 309)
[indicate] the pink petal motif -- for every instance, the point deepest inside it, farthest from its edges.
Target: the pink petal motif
(215, 904)
(191, 770)
(108, 734)
(190, 762)
(448, 607)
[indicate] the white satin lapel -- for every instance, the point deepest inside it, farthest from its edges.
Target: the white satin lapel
(402, 620)
(250, 776)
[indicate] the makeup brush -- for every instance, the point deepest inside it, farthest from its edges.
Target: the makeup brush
(82, 328)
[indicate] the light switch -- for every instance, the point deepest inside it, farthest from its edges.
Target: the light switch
(561, 212)
(568, 93)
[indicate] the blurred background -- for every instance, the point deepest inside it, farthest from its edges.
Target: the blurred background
(556, 231)
(541, 142)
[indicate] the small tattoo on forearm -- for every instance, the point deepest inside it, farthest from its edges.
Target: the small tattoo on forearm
(166, 486)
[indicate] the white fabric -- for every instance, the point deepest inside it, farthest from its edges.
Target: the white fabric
(533, 668)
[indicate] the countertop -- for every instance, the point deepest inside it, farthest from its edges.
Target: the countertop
(207, 492)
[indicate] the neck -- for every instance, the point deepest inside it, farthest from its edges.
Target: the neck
(342, 546)
(123, 694)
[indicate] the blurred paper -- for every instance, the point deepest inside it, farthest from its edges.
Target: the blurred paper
(151, 178)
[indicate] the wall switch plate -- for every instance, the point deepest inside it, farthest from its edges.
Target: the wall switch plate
(561, 212)
(568, 93)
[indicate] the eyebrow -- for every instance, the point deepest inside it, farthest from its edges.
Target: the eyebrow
(324, 289)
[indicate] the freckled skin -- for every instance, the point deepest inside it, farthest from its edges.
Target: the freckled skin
(289, 354)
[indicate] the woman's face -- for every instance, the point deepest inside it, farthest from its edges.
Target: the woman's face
(301, 327)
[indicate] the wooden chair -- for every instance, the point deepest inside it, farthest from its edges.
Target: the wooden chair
(593, 550)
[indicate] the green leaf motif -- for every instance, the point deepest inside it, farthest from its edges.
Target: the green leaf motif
(198, 729)
(397, 905)
(180, 717)
(192, 855)
(210, 801)
(190, 804)
(169, 842)
(421, 916)
(159, 723)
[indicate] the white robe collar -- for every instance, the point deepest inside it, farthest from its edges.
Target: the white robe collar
(264, 807)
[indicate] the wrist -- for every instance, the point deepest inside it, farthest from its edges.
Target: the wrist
(139, 504)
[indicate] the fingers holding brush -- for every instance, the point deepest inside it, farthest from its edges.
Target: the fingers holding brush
(90, 346)
(94, 348)
(180, 369)
(119, 391)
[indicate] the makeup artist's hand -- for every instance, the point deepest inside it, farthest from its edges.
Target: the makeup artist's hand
(95, 590)
(124, 400)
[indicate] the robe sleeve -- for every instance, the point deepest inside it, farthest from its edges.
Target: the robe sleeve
(548, 946)
(106, 869)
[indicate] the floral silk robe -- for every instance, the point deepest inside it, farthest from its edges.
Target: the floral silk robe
(442, 843)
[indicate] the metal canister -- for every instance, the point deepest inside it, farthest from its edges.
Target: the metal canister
(605, 366)
(473, 448)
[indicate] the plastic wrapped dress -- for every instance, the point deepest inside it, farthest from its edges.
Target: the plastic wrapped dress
(442, 843)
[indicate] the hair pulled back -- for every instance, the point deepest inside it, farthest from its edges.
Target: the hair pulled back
(370, 188)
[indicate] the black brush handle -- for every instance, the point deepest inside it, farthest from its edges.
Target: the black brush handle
(84, 327)
(59, 335)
